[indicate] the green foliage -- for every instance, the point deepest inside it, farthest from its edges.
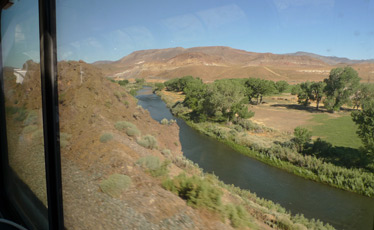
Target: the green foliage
(123, 125)
(178, 84)
(133, 92)
(115, 184)
(139, 81)
(123, 82)
(316, 93)
(196, 191)
(150, 162)
(365, 121)
(31, 119)
(237, 215)
(305, 93)
(302, 137)
(281, 86)
(362, 95)
(159, 86)
(132, 131)
(64, 139)
(257, 88)
(106, 137)
(296, 89)
(166, 152)
(164, 121)
(153, 165)
(30, 128)
(340, 86)
(147, 141)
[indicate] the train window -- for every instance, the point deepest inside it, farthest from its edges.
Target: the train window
(25, 179)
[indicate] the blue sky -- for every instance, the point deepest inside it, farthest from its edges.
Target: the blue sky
(94, 30)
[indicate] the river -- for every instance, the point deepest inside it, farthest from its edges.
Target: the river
(342, 209)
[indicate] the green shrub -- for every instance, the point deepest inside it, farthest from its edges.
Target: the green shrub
(132, 132)
(166, 152)
(30, 129)
(162, 170)
(149, 162)
(64, 139)
(164, 121)
(106, 137)
(237, 215)
(153, 166)
(196, 191)
(115, 184)
(121, 125)
(284, 223)
(31, 119)
(22, 114)
(148, 141)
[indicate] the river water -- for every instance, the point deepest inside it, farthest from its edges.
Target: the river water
(343, 210)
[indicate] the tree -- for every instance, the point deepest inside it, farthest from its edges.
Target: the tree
(305, 93)
(302, 137)
(317, 92)
(295, 89)
(225, 99)
(281, 86)
(340, 86)
(257, 88)
(365, 121)
(364, 93)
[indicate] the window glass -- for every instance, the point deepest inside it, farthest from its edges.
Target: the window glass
(155, 95)
(22, 89)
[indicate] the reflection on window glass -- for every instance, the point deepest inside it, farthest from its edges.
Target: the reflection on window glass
(22, 89)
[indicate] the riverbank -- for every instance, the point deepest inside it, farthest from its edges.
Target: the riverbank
(277, 155)
(271, 213)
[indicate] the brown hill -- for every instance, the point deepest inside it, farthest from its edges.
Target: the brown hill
(211, 63)
(90, 107)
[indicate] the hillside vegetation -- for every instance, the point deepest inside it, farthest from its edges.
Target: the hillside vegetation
(123, 170)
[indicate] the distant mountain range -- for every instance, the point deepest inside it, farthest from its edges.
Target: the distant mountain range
(332, 60)
(217, 62)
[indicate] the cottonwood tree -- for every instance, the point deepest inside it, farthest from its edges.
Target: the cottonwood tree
(281, 86)
(364, 93)
(302, 137)
(365, 121)
(257, 88)
(305, 93)
(225, 99)
(316, 89)
(340, 86)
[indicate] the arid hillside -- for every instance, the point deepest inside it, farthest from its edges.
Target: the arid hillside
(211, 63)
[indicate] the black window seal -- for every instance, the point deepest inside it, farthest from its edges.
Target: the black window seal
(48, 70)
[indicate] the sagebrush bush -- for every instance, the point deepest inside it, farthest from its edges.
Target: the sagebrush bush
(149, 162)
(115, 184)
(166, 152)
(30, 129)
(106, 137)
(147, 141)
(64, 139)
(31, 119)
(132, 132)
(196, 191)
(237, 215)
(164, 121)
(122, 125)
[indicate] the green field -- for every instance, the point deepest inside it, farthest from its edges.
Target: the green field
(339, 131)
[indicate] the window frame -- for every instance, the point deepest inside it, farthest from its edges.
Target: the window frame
(33, 218)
